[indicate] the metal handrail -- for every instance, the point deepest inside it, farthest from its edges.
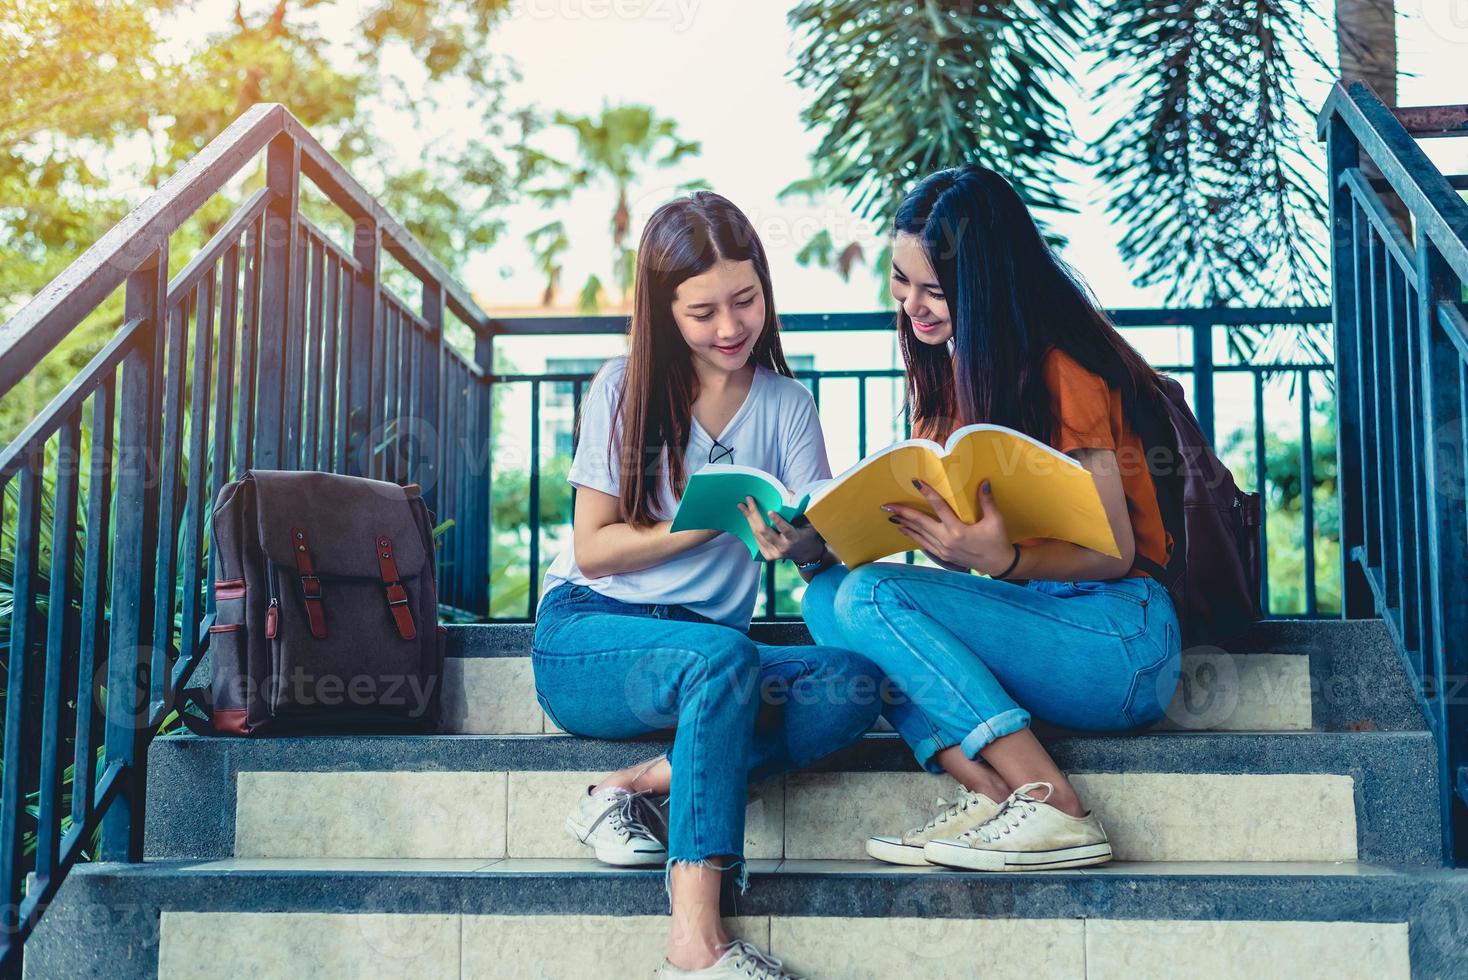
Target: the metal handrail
(329, 365)
(1402, 339)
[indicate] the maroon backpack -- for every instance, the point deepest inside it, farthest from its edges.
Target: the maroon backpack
(1213, 574)
(326, 606)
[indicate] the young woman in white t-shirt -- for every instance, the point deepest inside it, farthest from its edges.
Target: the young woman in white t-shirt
(641, 629)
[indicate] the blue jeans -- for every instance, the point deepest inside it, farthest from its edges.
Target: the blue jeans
(743, 711)
(972, 657)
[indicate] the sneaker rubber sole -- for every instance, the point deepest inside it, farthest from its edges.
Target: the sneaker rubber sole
(621, 857)
(893, 851)
(954, 854)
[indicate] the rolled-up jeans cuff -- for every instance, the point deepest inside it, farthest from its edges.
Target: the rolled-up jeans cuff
(926, 751)
(1005, 723)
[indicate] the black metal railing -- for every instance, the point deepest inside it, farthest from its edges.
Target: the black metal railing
(273, 347)
(1203, 372)
(1398, 297)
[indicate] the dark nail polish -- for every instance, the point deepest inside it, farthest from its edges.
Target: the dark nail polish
(917, 484)
(894, 520)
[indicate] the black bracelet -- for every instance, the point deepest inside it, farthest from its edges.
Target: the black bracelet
(1012, 565)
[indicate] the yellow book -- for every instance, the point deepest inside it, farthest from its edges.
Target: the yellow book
(1041, 492)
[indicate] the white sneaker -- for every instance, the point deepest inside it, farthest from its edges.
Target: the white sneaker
(1028, 834)
(615, 823)
(739, 962)
(967, 812)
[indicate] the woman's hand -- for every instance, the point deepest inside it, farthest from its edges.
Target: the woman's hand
(781, 539)
(983, 546)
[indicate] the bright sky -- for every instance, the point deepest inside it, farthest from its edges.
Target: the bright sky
(719, 68)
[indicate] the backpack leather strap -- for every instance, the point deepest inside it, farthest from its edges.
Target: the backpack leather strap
(310, 584)
(397, 596)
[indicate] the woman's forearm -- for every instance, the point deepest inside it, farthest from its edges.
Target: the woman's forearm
(615, 549)
(1063, 561)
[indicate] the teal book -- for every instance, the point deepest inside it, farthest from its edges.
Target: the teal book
(711, 501)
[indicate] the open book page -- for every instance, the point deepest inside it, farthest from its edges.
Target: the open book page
(850, 504)
(711, 499)
(1042, 492)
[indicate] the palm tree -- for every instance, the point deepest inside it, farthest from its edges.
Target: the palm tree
(614, 146)
(1213, 185)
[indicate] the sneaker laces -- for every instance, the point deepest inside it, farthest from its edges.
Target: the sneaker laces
(1019, 805)
(948, 809)
(752, 962)
(627, 815)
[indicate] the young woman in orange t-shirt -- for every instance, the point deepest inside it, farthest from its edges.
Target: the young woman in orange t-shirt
(995, 328)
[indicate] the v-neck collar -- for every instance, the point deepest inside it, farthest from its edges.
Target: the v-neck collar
(739, 414)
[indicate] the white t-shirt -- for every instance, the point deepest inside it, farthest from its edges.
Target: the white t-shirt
(776, 430)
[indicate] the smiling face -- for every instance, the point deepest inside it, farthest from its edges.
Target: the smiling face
(915, 287)
(721, 314)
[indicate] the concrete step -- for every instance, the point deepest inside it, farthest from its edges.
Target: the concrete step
(1282, 675)
(574, 919)
(1332, 796)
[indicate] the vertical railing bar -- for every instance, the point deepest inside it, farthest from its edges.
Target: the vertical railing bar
(1387, 405)
(1203, 388)
(1343, 152)
(344, 370)
(861, 416)
(1307, 493)
(534, 498)
(169, 496)
(316, 374)
(434, 408)
(21, 711)
(1261, 483)
(196, 518)
(244, 452)
(94, 599)
(1405, 465)
(480, 489)
(380, 384)
(1365, 385)
(295, 353)
(279, 300)
(578, 394)
(413, 410)
(331, 340)
(448, 496)
(134, 562)
(228, 381)
(58, 644)
(393, 412)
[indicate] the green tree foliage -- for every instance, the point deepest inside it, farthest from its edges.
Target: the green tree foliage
(1208, 171)
(615, 146)
(102, 97)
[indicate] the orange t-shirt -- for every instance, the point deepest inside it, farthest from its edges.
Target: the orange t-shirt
(1089, 416)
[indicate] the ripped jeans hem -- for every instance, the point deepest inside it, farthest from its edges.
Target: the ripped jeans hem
(738, 863)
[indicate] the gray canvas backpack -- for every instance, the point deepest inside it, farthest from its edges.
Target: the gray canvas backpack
(327, 606)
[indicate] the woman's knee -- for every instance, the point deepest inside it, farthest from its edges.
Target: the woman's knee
(727, 654)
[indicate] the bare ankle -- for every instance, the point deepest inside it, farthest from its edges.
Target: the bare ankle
(1067, 801)
(694, 952)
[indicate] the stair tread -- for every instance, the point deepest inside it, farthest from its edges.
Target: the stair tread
(1284, 891)
(1152, 751)
(806, 868)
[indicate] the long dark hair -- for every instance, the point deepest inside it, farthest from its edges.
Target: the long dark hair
(1010, 297)
(684, 238)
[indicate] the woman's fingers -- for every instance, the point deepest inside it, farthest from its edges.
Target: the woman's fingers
(921, 535)
(940, 506)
